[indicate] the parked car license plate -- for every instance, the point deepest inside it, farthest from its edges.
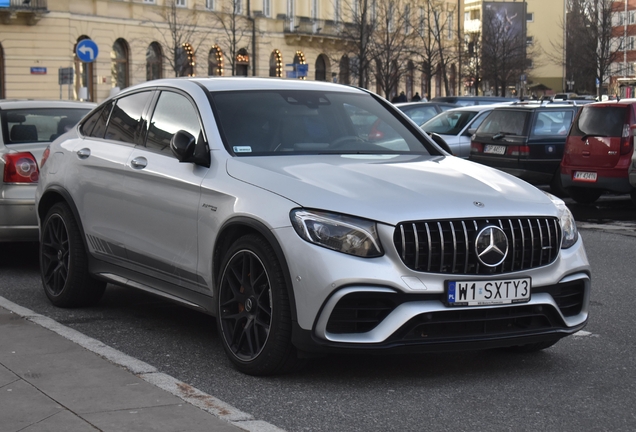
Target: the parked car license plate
(585, 176)
(494, 149)
(481, 293)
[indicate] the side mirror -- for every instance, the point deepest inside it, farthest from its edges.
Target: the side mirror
(471, 131)
(183, 145)
(440, 142)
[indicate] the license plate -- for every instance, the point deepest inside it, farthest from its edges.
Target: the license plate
(482, 293)
(584, 176)
(494, 149)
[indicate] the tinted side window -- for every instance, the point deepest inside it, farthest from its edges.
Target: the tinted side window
(102, 120)
(552, 123)
(173, 112)
(504, 121)
(125, 122)
(87, 126)
(600, 120)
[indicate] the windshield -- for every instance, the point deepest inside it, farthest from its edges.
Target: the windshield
(38, 124)
(449, 122)
(274, 122)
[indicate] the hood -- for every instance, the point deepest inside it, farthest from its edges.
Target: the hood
(393, 188)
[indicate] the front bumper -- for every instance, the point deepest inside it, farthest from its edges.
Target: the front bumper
(348, 303)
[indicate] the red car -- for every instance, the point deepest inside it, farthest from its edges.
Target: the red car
(598, 151)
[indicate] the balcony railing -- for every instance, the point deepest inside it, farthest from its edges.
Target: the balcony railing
(24, 5)
(305, 26)
(31, 10)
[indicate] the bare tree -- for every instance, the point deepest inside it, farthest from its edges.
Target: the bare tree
(606, 47)
(472, 60)
(357, 32)
(503, 46)
(236, 30)
(444, 33)
(390, 44)
(425, 42)
(183, 38)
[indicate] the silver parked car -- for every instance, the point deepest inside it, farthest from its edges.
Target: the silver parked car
(26, 129)
(457, 125)
(275, 206)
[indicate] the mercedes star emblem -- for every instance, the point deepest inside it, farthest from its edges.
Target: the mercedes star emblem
(491, 246)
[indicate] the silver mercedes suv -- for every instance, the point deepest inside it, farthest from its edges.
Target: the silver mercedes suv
(276, 206)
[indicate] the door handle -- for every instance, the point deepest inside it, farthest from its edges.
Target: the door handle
(139, 163)
(84, 153)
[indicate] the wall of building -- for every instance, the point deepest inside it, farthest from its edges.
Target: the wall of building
(47, 43)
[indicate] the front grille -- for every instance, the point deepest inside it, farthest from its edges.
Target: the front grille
(360, 312)
(568, 296)
(448, 246)
(480, 323)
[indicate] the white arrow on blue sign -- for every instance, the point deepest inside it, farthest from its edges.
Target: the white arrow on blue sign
(86, 50)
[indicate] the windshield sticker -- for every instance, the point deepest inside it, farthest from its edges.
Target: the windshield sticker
(242, 149)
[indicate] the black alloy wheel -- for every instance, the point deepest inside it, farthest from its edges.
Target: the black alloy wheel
(254, 317)
(63, 261)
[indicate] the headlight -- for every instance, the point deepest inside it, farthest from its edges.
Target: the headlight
(346, 234)
(568, 225)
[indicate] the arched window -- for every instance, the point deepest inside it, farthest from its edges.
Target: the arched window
(276, 64)
(242, 62)
(344, 70)
(3, 94)
(299, 59)
(119, 67)
(410, 75)
(154, 62)
(84, 76)
(321, 68)
(438, 81)
(378, 74)
(186, 61)
(215, 61)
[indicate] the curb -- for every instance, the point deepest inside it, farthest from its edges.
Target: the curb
(148, 373)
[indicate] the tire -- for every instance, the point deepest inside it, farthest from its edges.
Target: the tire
(533, 347)
(584, 195)
(63, 262)
(556, 186)
(254, 317)
(632, 194)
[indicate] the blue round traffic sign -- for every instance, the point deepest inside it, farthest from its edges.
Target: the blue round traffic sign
(86, 50)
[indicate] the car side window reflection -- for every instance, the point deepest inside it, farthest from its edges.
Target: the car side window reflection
(173, 112)
(125, 122)
(101, 120)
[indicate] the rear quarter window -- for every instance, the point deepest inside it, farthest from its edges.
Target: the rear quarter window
(601, 121)
(552, 122)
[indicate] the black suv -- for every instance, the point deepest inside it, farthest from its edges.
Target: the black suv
(526, 141)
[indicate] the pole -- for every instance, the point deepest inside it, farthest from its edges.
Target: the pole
(625, 43)
(460, 45)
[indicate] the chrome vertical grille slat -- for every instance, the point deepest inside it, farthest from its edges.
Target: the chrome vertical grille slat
(448, 246)
(441, 243)
(417, 246)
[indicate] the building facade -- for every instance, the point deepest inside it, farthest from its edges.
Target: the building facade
(139, 40)
(542, 24)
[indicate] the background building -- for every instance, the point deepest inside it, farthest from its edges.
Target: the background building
(387, 46)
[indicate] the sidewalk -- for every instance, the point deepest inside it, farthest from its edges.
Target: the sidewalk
(53, 382)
